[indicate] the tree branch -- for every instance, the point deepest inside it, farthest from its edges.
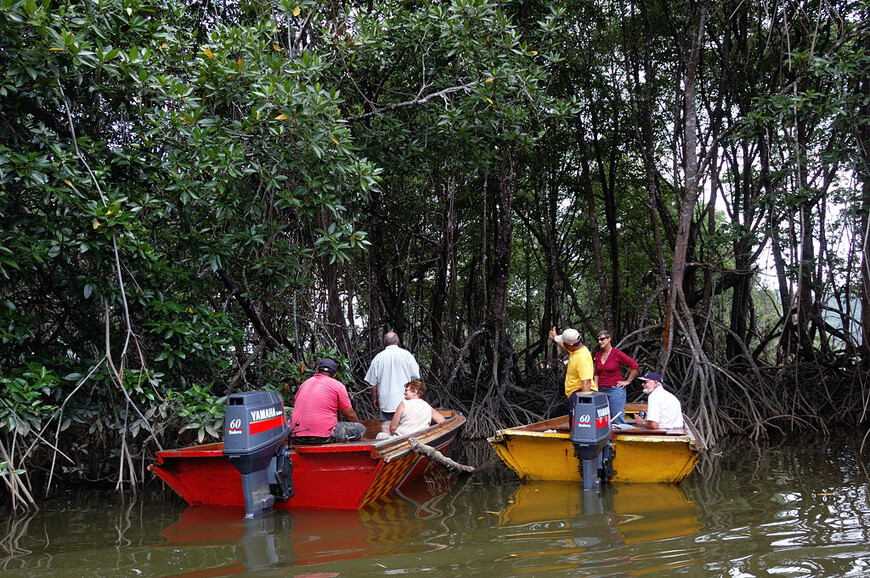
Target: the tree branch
(249, 309)
(441, 93)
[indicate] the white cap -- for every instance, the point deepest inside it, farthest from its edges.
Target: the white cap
(569, 337)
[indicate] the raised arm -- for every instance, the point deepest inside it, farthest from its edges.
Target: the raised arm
(552, 336)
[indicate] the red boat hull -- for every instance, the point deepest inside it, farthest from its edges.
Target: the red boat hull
(343, 476)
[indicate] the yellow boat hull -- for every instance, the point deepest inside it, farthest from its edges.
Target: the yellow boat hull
(543, 451)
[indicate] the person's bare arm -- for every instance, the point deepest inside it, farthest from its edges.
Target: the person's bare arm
(645, 423)
(436, 417)
(631, 376)
(349, 415)
(375, 396)
(397, 418)
(553, 338)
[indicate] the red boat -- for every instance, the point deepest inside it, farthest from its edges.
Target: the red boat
(345, 476)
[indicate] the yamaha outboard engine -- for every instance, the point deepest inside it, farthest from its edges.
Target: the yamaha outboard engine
(256, 430)
(590, 434)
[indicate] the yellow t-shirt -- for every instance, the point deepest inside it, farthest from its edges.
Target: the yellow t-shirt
(580, 368)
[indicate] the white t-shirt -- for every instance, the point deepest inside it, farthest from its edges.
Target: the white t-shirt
(390, 370)
(416, 416)
(664, 408)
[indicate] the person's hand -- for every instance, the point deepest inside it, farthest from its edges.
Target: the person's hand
(553, 334)
(621, 383)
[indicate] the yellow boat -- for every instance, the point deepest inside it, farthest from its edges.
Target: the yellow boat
(543, 451)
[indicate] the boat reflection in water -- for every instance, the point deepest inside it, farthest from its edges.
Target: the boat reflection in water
(300, 537)
(569, 520)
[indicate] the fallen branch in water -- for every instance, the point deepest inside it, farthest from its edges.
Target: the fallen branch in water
(437, 456)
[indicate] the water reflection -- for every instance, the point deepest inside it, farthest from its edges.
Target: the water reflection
(556, 524)
(630, 513)
(386, 527)
(791, 508)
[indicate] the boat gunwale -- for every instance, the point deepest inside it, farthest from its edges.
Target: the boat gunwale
(386, 449)
(687, 433)
(521, 449)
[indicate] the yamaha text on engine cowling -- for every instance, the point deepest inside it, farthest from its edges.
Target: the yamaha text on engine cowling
(255, 443)
(590, 434)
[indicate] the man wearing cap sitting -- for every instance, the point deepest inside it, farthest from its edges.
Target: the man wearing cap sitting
(580, 370)
(314, 416)
(663, 408)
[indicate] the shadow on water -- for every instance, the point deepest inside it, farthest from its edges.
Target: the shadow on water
(796, 508)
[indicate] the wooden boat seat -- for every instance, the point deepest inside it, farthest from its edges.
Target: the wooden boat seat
(544, 427)
(660, 431)
(373, 428)
(560, 425)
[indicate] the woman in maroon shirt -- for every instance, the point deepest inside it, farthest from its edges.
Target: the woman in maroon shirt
(608, 375)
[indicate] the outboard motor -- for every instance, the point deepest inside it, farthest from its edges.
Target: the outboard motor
(254, 442)
(590, 434)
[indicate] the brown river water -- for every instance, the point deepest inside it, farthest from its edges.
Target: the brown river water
(799, 507)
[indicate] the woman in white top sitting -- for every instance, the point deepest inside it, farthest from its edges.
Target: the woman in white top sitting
(414, 414)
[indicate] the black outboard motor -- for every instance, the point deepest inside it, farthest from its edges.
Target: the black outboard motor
(256, 430)
(590, 434)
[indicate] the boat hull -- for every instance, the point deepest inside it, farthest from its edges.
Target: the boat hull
(344, 476)
(543, 451)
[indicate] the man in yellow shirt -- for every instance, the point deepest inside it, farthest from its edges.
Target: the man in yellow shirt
(580, 370)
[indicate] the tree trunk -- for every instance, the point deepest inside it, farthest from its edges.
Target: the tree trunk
(443, 274)
(648, 148)
(589, 194)
(501, 267)
(864, 234)
(807, 253)
(691, 168)
(336, 326)
(387, 302)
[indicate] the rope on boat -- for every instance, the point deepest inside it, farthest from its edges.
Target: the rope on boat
(437, 456)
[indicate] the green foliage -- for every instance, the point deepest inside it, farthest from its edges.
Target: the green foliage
(270, 157)
(284, 373)
(198, 410)
(5, 471)
(185, 330)
(144, 149)
(27, 399)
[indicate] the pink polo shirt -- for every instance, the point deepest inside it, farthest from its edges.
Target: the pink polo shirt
(316, 405)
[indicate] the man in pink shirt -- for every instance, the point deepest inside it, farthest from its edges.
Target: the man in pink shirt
(314, 419)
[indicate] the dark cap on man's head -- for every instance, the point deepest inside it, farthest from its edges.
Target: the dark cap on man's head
(651, 376)
(327, 364)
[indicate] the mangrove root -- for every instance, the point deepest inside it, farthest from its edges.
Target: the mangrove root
(438, 457)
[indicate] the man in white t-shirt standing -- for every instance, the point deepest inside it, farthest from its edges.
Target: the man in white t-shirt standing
(390, 370)
(663, 408)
